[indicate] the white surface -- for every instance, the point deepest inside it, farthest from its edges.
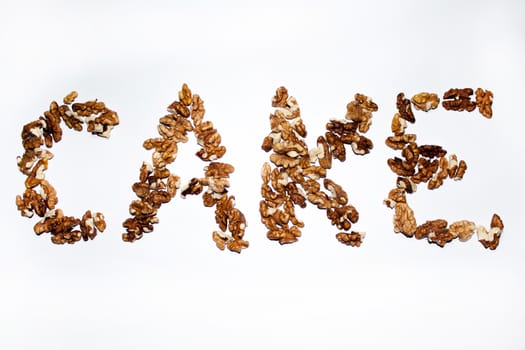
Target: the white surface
(174, 289)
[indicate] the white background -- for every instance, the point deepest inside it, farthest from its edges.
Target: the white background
(174, 289)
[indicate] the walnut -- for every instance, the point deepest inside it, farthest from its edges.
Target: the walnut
(265, 173)
(456, 170)
(221, 239)
(463, 229)
(484, 102)
(411, 154)
(289, 209)
(271, 196)
(185, 95)
(362, 145)
(360, 111)
(404, 220)
(31, 202)
(69, 237)
(142, 208)
(311, 186)
(291, 149)
(229, 217)
(284, 160)
(406, 184)
(52, 122)
(197, 110)
(404, 108)
(341, 127)
(299, 127)
(179, 108)
(400, 167)
(398, 125)
(71, 119)
(217, 169)
(285, 235)
(158, 197)
(280, 98)
(396, 195)
(336, 146)
(439, 176)
(296, 196)
(32, 134)
(165, 152)
(37, 175)
(99, 119)
(48, 194)
(432, 151)
(141, 189)
(174, 127)
(426, 169)
(436, 231)
(103, 124)
(290, 110)
(343, 217)
(172, 185)
(440, 234)
(27, 160)
(320, 199)
(56, 223)
(496, 222)
(88, 108)
(267, 144)
(336, 192)
(324, 155)
(353, 239)
(90, 224)
(134, 230)
(237, 245)
(70, 98)
(488, 238)
(314, 172)
(399, 142)
(425, 101)
(458, 100)
(279, 179)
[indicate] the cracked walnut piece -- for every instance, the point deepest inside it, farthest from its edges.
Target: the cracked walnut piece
(425, 101)
(353, 239)
(484, 102)
(458, 100)
(490, 238)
